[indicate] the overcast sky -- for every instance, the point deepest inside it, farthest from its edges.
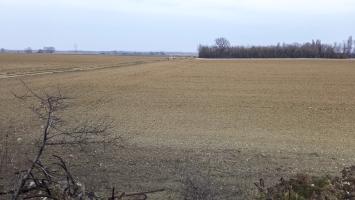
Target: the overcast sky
(170, 25)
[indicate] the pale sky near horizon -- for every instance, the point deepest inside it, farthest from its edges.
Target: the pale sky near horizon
(170, 25)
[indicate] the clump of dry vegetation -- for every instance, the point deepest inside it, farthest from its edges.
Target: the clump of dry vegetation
(197, 187)
(304, 187)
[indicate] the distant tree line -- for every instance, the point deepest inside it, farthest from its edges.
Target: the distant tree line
(29, 50)
(314, 49)
(46, 50)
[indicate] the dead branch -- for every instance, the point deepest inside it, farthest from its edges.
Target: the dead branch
(47, 110)
(43, 181)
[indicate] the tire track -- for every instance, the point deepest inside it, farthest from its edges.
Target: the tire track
(76, 69)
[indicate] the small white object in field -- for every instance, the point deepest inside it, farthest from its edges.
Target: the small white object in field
(346, 183)
(32, 183)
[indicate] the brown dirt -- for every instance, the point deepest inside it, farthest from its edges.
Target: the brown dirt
(237, 120)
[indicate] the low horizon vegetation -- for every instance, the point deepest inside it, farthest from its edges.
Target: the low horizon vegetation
(314, 49)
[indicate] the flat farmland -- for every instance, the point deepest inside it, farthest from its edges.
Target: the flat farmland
(13, 65)
(235, 120)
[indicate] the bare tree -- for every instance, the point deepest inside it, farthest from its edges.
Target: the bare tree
(350, 46)
(222, 43)
(55, 181)
(48, 109)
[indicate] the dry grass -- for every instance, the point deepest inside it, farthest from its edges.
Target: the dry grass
(242, 120)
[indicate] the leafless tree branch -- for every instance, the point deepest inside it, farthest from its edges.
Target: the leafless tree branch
(40, 181)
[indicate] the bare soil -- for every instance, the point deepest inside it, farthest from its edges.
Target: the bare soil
(229, 122)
